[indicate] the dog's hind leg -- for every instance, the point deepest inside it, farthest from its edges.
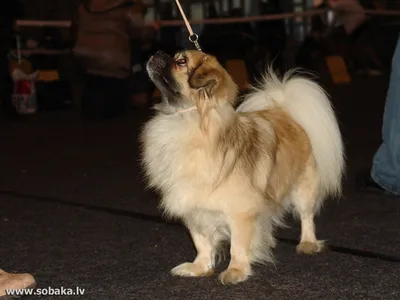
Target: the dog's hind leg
(306, 202)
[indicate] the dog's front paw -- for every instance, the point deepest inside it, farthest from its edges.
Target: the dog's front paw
(233, 276)
(191, 270)
(310, 247)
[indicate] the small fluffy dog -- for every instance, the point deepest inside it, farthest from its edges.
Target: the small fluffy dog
(232, 174)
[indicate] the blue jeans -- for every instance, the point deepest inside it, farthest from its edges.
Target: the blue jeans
(386, 163)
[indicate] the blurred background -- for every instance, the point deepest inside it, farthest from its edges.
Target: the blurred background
(83, 53)
(74, 96)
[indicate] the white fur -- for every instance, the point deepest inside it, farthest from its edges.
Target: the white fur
(179, 162)
(182, 170)
(307, 103)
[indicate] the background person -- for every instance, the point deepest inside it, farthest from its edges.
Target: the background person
(385, 173)
(351, 15)
(110, 35)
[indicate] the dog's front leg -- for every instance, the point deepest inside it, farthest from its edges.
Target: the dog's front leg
(242, 232)
(204, 263)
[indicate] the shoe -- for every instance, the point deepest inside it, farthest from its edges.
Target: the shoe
(365, 183)
(373, 72)
(14, 282)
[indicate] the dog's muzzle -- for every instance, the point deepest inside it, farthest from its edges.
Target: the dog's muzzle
(158, 62)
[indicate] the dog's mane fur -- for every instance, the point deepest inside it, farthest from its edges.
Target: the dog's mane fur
(219, 169)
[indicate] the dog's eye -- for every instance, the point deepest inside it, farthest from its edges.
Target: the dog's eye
(181, 62)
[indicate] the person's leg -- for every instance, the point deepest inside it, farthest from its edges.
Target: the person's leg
(93, 98)
(6, 83)
(386, 163)
(7, 15)
(140, 89)
(4, 80)
(77, 80)
(116, 96)
(363, 51)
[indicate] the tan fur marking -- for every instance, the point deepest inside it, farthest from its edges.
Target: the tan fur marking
(232, 174)
(293, 150)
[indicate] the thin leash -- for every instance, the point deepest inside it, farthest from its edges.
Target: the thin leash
(193, 37)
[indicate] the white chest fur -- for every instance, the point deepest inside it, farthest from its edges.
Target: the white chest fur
(176, 162)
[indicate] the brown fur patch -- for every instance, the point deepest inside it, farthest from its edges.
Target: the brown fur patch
(241, 143)
(206, 81)
(228, 173)
(242, 139)
(293, 151)
(248, 147)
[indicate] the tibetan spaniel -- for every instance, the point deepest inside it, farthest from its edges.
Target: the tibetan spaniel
(230, 174)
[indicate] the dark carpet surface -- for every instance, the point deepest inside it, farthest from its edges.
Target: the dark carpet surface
(75, 213)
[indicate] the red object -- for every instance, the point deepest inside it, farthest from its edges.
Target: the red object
(23, 87)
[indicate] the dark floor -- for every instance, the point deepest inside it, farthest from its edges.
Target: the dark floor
(75, 213)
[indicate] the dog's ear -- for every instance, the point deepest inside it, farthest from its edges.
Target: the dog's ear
(211, 87)
(205, 77)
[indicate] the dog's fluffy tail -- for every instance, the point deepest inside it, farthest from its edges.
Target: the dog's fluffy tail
(307, 103)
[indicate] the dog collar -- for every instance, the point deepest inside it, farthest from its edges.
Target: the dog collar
(186, 110)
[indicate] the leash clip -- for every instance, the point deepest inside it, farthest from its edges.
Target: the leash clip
(194, 38)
